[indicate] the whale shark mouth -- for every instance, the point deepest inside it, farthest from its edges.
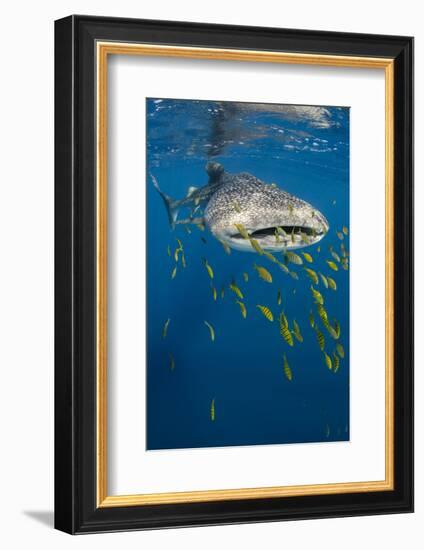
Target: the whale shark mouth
(272, 231)
(274, 238)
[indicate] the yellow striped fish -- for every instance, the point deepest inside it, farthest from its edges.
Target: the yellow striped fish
(332, 265)
(212, 412)
(270, 257)
(336, 362)
(263, 273)
(293, 258)
(283, 267)
(284, 330)
(317, 295)
(332, 283)
(296, 332)
(287, 370)
(214, 293)
(305, 239)
(266, 312)
(323, 315)
(165, 328)
(335, 256)
(178, 250)
(280, 231)
(242, 308)
(312, 275)
(211, 331)
(337, 328)
(328, 361)
(171, 362)
(345, 264)
(256, 246)
(321, 339)
(208, 267)
(330, 330)
(324, 280)
(283, 320)
(242, 230)
(225, 247)
(236, 290)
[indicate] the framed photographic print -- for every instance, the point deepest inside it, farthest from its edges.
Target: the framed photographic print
(234, 270)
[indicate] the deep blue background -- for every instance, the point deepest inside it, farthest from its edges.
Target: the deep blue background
(243, 369)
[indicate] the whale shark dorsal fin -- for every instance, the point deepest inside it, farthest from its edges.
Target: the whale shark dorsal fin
(214, 171)
(191, 190)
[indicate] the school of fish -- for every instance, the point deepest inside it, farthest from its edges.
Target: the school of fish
(246, 214)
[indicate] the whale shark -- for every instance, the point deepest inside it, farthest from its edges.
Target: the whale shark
(274, 218)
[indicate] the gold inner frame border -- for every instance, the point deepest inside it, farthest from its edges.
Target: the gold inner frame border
(103, 50)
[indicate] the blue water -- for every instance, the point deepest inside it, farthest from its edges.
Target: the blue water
(306, 153)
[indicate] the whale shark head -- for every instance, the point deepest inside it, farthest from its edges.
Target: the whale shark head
(245, 208)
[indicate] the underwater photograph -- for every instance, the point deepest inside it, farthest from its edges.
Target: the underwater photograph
(247, 254)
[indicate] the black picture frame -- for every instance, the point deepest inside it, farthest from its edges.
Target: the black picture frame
(76, 510)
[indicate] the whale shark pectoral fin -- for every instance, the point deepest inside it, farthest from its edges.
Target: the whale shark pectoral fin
(191, 190)
(194, 221)
(172, 207)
